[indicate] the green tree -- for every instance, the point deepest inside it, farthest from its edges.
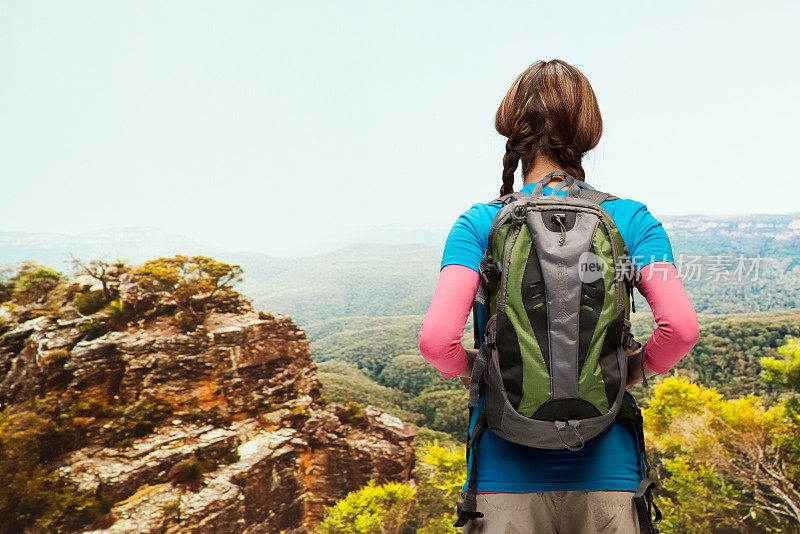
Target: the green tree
(784, 371)
(445, 411)
(411, 374)
(100, 270)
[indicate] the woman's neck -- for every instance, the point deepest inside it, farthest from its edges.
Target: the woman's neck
(542, 166)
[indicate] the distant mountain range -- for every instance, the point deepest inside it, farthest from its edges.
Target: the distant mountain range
(395, 278)
(135, 243)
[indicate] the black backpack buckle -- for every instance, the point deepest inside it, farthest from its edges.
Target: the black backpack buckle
(465, 516)
(629, 342)
(518, 214)
(489, 274)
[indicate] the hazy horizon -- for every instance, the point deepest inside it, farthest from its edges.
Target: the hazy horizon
(399, 235)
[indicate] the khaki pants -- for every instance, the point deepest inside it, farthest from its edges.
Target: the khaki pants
(555, 512)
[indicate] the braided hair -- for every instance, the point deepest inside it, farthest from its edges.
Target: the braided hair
(550, 110)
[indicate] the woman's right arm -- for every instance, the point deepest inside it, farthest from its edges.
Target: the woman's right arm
(443, 326)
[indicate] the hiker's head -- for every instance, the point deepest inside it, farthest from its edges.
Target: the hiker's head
(550, 111)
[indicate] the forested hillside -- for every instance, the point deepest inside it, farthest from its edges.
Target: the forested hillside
(735, 264)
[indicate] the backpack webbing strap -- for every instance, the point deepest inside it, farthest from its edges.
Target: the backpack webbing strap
(509, 198)
(595, 196)
(479, 365)
(630, 410)
(643, 499)
(467, 510)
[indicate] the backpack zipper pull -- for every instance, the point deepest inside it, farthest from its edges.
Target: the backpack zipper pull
(559, 218)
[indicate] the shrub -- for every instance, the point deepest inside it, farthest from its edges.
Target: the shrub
(101, 271)
(88, 302)
(189, 473)
(232, 456)
(6, 286)
(187, 322)
(138, 421)
(371, 509)
(440, 474)
(171, 510)
(117, 315)
(92, 329)
(352, 414)
(33, 282)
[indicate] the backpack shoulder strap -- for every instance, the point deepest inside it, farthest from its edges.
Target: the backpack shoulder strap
(509, 198)
(595, 196)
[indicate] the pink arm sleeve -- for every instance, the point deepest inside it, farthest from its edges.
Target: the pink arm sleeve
(443, 326)
(677, 330)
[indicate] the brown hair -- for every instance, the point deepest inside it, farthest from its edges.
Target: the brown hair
(549, 110)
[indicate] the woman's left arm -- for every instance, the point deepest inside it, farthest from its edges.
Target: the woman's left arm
(677, 330)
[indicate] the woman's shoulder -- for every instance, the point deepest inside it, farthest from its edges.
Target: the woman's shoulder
(481, 213)
(469, 235)
(644, 235)
(627, 211)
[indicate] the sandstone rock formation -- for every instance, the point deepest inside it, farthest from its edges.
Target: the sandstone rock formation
(243, 401)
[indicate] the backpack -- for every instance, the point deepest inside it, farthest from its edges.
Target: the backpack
(557, 283)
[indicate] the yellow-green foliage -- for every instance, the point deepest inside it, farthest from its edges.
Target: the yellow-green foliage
(374, 508)
(192, 282)
(784, 371)
(447, 469)
(33, 282)
(92, 329)
(726, 459)
(116, 309)
(440, 474)
(395, 507)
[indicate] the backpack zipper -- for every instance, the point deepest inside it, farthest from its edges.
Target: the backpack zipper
(512, 239)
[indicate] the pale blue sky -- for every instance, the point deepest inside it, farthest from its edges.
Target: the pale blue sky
(281, 126)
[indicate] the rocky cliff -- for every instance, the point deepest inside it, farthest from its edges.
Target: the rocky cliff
(150, 428)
